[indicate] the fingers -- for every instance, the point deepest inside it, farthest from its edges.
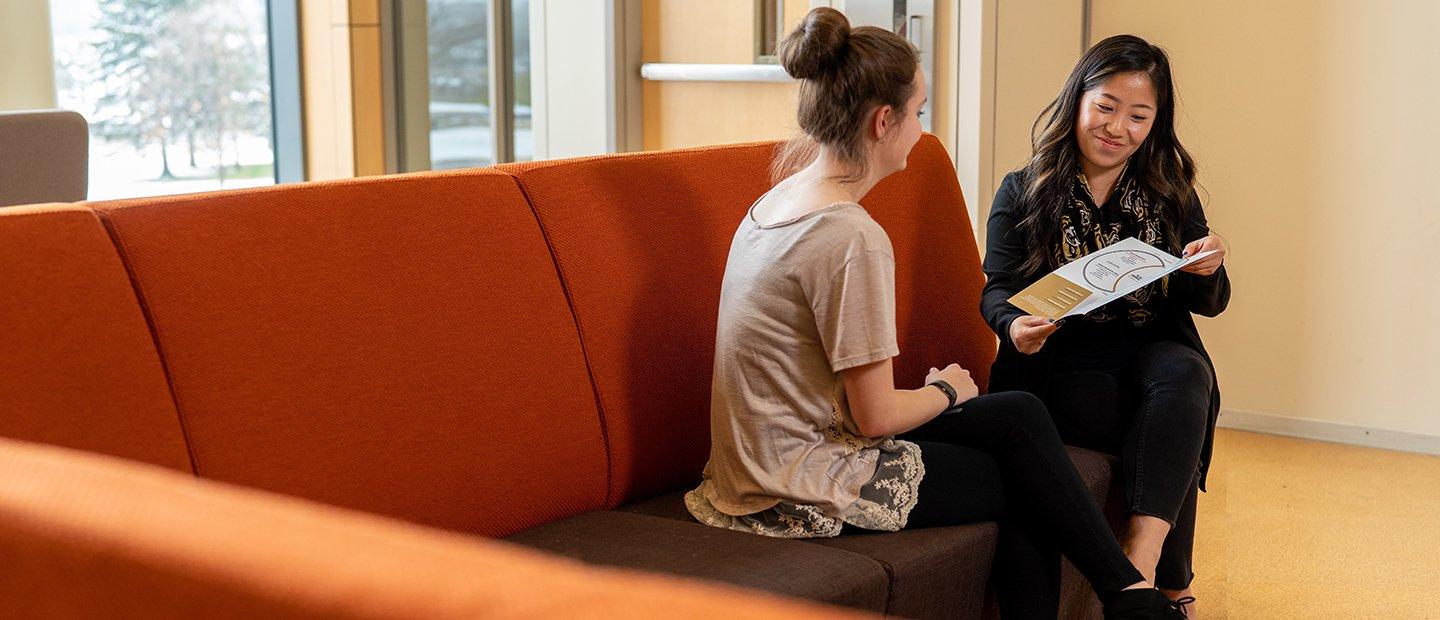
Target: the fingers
(951, 369)
(1037, 327)
(1032, 321)
(1042, 330)
(1204, 244)
(1210, 264)
(1204, 267)
(1028, 333)
(1194, 247)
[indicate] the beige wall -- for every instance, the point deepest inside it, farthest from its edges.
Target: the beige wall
(681, 114)
(27, 61)
(1035, 44)
(1313, 128)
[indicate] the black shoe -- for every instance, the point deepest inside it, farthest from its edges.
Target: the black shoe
(1181, 602)
(1143, 604)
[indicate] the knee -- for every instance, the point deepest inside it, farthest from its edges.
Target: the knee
(1178, 390)
(1025, 410)
(1174, 364)
(1188, 363)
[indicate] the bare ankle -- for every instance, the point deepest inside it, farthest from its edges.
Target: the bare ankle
(1145, 561)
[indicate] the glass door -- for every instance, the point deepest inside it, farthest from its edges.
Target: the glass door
(462, 80)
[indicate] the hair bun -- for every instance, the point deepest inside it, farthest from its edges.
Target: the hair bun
(817, 45)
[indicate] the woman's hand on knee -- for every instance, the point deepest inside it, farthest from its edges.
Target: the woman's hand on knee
(958, 378)
(1028, 333)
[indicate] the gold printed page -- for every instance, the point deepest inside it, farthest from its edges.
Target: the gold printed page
(1098, 278)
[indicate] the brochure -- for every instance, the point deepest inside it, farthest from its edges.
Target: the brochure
(1099, 278)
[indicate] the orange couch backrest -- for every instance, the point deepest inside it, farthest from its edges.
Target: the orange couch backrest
(937, 268)
(399, 345)
(641, 243)
(78, 366)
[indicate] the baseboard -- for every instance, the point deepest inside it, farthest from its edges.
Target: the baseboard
(1337, 432)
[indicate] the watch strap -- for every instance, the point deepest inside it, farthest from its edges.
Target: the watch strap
(948, 390)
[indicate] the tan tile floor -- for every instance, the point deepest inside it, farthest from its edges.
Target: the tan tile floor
(1306, 529)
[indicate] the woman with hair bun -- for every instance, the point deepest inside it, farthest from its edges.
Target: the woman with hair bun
(804, 410)
(1131, 378)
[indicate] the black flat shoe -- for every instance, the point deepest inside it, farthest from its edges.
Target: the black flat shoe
(1181, 602)
(1144, 604)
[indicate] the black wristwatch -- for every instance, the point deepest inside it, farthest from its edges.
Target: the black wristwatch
(949, 392)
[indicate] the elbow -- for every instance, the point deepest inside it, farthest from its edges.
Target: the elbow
(1212, 310)
(863, 428)
(868, 423)
(1218, 305)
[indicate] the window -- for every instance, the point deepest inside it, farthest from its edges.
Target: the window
(769, 29)
(178, 93)
(468, 103)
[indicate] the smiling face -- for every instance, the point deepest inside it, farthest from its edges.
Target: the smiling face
(1113, 121)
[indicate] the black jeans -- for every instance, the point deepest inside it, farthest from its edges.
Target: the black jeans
(1150, 410)
(999, 458)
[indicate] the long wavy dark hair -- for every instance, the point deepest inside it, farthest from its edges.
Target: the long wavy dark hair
(1161, 166)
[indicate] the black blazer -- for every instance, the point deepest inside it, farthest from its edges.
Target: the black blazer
(1005, 252)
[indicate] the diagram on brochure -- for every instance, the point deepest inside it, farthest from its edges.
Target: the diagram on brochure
(1099, 278)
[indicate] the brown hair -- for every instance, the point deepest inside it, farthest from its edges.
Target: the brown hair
(844, 73)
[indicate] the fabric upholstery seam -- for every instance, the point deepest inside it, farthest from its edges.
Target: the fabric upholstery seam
(145, 312)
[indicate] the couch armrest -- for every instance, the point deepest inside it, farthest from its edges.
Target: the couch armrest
(88, 535)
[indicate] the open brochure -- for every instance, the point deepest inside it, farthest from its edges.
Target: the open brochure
(1099, 278)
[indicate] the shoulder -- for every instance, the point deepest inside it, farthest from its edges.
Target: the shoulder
(1194, 199)
(850, 226)
(1012, 182)
(843, 235)
(1007, 197)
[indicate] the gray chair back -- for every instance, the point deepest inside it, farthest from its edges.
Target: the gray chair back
(44, 157)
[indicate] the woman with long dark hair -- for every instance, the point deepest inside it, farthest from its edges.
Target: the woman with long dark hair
(804, 409)
(1132, 377)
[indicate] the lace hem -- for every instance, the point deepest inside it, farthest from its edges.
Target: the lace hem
(884, 504)
(886, 501)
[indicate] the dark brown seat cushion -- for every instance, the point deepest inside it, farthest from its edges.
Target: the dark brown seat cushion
(943, 572)
(933, 573)
(650, 543)
(939, 572)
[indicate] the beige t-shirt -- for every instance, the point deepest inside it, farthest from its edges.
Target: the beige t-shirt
(801, 301)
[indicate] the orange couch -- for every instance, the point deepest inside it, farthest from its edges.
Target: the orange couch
(520, 352)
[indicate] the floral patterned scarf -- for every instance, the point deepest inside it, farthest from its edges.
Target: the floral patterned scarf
(1086, 227)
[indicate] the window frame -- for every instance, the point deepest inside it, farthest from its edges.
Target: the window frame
(287, 124)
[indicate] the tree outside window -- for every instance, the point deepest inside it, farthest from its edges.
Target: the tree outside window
(177, 92)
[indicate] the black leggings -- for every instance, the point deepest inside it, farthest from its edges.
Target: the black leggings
(998, 458)
(1151, 411)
